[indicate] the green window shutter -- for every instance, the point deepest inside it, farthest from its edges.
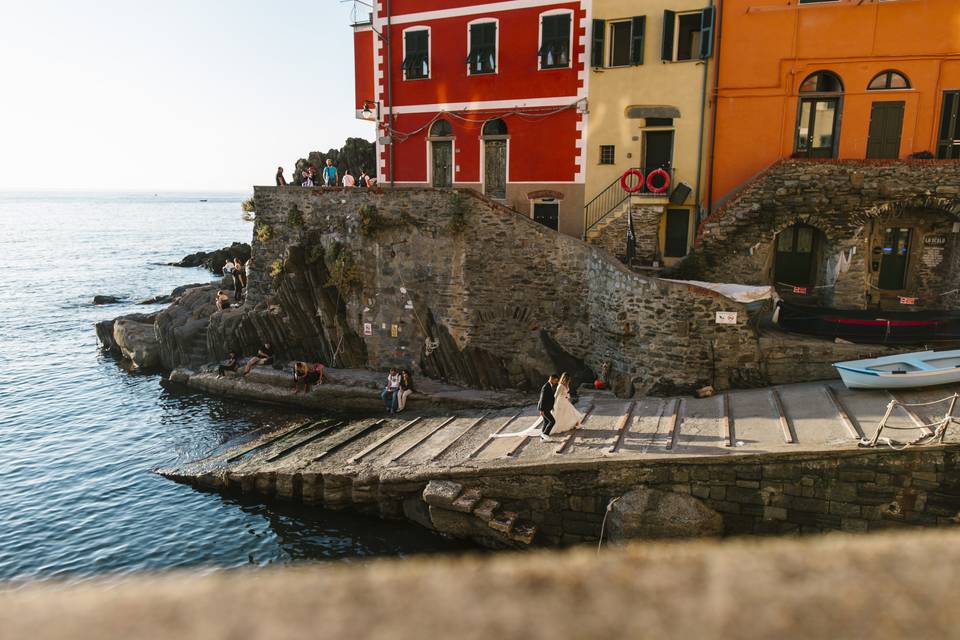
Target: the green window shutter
(637, 39)
(707, 20)
(416, 63)
(669, 24)
(598, 42)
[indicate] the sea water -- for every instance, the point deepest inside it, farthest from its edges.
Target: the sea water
(80, 437)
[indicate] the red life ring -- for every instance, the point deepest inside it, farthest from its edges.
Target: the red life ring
(625, 184)
(666, 181)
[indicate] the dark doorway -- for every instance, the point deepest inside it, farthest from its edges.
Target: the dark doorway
(886, 125)
(677, 233)
(949, 145)
(896, 256)
(657, 150)
(495, 169)
(547, 214)
(817, 129)
(796, 247)
(442, 152)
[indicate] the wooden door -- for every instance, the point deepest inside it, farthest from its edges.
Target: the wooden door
(896, 257)
(886, 125)
(677, 233)
(547, 214)
(442, 152)
(817, 127)
(948, 147)
(794, 259)
(495, 169)
(658, 150)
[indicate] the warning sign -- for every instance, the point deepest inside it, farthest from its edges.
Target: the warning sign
(367, 329)
(726, 317)
(904, 300)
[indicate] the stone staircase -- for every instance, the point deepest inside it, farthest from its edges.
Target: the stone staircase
(465, 512)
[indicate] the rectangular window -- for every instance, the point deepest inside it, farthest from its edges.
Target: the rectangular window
(659, 122)
(416, 59)
(677, 233)
(555, 41)
(621, 35)
(688, 36)
(483, 48)
(607, 154)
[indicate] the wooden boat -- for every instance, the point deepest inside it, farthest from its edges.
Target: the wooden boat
(870, 326)
(903, 371)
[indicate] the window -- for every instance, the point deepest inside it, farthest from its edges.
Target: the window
(659, 122)
(555, 41)
(818, 119)
(889, 80)
(687, 36)
(607, 154)
(620, 44)
(441, 129)
(495, 127)
(416, 54)
(482, 57)
(626, 42)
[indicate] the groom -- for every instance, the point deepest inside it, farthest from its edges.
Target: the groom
(545, 406)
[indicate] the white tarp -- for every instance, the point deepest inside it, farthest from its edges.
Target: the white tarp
(739, 292)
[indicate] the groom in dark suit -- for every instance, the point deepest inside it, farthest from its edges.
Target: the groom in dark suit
(545, 405)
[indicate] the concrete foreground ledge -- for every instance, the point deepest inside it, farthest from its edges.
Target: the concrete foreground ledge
(895, 585)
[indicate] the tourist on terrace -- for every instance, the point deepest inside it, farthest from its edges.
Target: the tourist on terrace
(307, 179)
(237, 274)
(403, 392)
(222, 300)
(264, 357)
(281, 181)
(306, 375)
(230, 364)
(330, 174)
(364, 179)
(391, 389)
(348, 180)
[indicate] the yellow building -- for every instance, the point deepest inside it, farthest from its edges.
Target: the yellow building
(647, 96)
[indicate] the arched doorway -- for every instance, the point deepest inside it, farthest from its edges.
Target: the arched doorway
(818, 120)
(795, 260)
(495, 159)
(441, 154)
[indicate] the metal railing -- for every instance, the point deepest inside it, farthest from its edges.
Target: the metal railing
(612, 197)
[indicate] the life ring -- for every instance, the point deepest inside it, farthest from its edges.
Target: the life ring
(626, 186)
(666, 181)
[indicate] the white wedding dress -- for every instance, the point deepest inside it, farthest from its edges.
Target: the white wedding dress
(564, 412)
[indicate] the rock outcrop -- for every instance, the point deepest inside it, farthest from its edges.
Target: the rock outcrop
(214, 260)
(135, 338)
(651, 513)
(99, 300)
(182, 328)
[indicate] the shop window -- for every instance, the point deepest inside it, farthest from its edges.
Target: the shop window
(555, 41)
(416, 54)
(483, 48)
(889, 80)
(607, 154)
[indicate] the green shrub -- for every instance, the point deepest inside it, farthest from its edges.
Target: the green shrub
(370, 220)
(294, 217)
(345, 274)
(249, 205)
(315, 253)
(276, 268)
(263, 232)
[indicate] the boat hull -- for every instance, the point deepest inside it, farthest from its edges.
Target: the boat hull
(860, 379)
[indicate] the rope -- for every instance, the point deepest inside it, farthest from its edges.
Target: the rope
(927, 404)
(925, 438)
(429, 344)
(603, 525)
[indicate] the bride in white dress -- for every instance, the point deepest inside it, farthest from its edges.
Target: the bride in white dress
(566, 415)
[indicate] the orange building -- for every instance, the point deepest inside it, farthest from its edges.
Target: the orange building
(846, 79)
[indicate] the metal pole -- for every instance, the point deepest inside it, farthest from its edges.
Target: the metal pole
(703, 118)
(718, 26)
(389, 95)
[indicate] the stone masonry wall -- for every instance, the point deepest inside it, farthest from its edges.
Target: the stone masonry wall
(504, 298)
(850, 202)
(612, 236)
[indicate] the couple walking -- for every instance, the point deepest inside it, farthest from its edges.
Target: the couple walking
(559, 414)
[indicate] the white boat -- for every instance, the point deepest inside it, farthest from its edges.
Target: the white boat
(903, 371)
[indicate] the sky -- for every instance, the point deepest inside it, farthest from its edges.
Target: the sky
(170, 95)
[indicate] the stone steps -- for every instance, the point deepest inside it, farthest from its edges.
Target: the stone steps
(457, 509)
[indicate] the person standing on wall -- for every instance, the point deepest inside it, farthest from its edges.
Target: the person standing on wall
(237, 274)
(330, 174)
(348, 179)
(364, 179)
(281, 181)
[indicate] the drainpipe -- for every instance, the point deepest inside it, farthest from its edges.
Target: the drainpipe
(389, 96)
(713, 127)
(703, 115)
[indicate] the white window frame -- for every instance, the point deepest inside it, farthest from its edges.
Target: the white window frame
(570, 49)
(403, 39)
(694, 55)
(609, 41)
(496, 61)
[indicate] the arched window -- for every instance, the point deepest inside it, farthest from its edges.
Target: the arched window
(495, 128)
(441, 129)
(818, 117)
(889, 80)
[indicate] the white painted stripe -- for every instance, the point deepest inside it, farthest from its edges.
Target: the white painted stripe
(519, 103)
(491, 7)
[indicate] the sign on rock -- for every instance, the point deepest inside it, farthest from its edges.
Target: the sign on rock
(726, 317)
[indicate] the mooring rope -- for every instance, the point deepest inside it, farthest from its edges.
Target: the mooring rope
(603, 525)
(925, 438)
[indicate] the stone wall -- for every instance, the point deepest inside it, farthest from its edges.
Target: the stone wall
(366, 277)
(850, 203)
(612, 236)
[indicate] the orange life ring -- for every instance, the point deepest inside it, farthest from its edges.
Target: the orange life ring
(666, 181)
(627, 174)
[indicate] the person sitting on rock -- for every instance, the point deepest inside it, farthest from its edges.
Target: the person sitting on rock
(222, 300)
(391, 389)
(403, 392)
(264, 357)
(230, 364)
(306, 375)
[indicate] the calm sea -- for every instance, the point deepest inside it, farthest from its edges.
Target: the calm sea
(80, 437)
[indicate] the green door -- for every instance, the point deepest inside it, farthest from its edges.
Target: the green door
(896, 256)
(886, 125)
(442, 163)
(495, 169)
(677, 233)
(794, 260)
(948, 147)
(547, 214)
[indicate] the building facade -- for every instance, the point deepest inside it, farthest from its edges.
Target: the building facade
(650, 70)
(483, 95)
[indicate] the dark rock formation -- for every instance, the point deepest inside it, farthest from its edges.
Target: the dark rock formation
(651, 513)
(176, 293)
(98, 300)
(133, 338)
(214, 260)
(182, 328)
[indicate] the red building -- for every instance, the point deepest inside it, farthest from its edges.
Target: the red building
(481, 94)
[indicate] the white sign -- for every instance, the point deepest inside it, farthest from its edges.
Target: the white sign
(367, 329)
(726, 317)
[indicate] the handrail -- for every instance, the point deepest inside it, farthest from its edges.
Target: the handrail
(614, 195)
